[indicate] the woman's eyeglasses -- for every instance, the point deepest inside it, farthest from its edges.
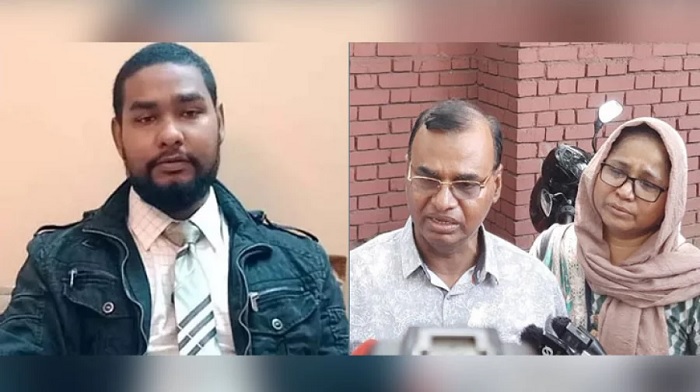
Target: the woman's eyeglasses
(642, 189)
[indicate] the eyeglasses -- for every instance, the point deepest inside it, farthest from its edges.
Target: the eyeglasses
(642, 189)
(461, 189)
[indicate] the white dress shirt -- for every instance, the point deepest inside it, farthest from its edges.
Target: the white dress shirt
(146, 224)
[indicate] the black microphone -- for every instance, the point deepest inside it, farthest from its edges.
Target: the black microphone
(576, 338)
(544, 342)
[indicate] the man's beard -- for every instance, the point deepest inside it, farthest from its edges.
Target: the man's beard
(175, 197)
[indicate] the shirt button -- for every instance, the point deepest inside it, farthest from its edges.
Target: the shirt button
(108, 307)
(277, 324)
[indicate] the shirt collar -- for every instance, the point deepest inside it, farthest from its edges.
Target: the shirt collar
(410, 258)
(208, 219)
(486, 264)
(147, 223)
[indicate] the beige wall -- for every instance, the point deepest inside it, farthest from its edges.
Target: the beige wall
(286, 149)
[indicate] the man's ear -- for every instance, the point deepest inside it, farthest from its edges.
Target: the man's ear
(221, 122)
(498, 182)
(117, 137)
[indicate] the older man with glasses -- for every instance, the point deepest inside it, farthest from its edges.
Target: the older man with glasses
(443, 268)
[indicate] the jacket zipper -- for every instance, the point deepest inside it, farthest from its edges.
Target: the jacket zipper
(72, 273)
(245, 296)
(126, 289)
(255, 295)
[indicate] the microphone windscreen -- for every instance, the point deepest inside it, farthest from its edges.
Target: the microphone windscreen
(532, 335)
(559, 325)
(365, 348)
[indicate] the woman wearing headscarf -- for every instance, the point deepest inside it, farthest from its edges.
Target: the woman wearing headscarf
(626, 272)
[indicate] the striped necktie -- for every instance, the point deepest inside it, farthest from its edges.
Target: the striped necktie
(194, 311)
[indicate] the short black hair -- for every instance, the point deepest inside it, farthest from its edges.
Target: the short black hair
(457, 115)
(159, 53)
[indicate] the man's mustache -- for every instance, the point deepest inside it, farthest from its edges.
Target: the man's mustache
(173, 156)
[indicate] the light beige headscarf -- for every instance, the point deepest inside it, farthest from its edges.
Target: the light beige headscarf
(664, 270)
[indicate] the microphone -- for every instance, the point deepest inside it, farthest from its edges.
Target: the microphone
(544, 342)
(366, 348)
(582, 342)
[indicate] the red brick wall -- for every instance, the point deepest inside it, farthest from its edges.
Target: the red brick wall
(390, 84)
(542, 93)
